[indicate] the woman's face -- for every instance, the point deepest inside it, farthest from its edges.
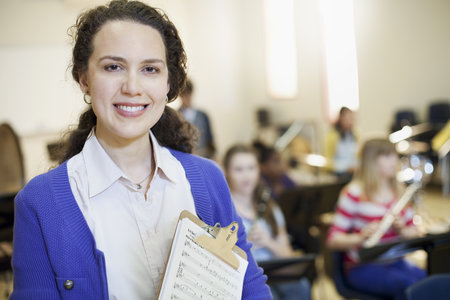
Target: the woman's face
(387, 165)
(347, 120)
(273, 168)
(243, 173)
(127, 79)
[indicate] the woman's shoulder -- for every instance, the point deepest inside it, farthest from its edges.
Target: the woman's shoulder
(41, 184)
(189, 160)
(353, 190)
(333, 132)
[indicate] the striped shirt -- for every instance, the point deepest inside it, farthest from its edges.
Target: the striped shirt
(353, 213)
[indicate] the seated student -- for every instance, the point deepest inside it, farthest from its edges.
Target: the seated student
(263, 220)
(272, 170)
(361, 207)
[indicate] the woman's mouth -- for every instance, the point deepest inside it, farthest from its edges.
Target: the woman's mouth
(130, 110)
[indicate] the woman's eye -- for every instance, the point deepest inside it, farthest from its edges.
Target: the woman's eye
(112, 68)
(150, 69)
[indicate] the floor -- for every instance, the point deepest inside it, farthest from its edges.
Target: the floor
(434, 210)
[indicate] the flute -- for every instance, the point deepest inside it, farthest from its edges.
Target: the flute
(389, 218)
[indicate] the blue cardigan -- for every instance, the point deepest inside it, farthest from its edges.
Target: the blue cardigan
(53, 243)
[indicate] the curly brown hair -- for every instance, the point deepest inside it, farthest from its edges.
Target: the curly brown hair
(91, 21)
(170, 130)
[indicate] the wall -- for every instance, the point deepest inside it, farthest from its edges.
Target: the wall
(403, 51)
(403, 56)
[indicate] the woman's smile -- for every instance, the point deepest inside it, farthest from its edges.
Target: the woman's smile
(130, 110)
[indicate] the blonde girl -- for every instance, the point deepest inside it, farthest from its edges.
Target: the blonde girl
(361, 207)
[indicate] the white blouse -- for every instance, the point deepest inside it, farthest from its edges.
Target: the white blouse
(133, 233)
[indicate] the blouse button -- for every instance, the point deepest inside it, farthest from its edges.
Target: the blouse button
(68, 284)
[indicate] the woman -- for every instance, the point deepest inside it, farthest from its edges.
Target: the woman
(341, 145)
(99, 226)
(206, 146)
(273, 171)
(361, 207)
(263, 219)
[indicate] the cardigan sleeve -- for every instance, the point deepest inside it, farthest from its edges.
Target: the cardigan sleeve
(33, 275)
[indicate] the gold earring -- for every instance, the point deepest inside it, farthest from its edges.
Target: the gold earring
(87, 101)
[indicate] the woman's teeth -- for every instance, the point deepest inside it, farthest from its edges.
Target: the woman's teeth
(131, 108)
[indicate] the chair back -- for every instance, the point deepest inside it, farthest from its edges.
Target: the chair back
(341, 283)
(434, 287)
(12, 174)
(439, 112)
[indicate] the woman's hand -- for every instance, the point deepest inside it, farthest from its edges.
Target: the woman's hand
(369, 230)
(399, 224)
(342, 241)
(279, 245)
(260, 236)
(407, 232)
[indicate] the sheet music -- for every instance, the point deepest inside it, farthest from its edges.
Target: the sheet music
(194, 273)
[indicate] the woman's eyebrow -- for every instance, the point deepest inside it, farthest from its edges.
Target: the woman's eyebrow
(115, 58)
(121, 59)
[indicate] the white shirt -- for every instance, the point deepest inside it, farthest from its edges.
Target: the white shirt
(134, 234)
(345, 156)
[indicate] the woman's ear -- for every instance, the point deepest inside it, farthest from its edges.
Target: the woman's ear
(83, 83)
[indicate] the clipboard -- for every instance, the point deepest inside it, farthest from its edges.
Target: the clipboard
(204, 262)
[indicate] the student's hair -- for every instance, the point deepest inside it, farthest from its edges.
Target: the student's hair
(367, 172)
(170, 130)
(188, 88)
(338, 124)
(262, 205)
(263, 152)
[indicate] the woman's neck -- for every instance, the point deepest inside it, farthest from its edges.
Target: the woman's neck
(385, 183)
(384, 193)
(133, 157)
(244, 204)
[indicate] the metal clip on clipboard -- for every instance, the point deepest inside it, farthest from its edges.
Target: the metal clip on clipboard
(223, 240)
(222, 243)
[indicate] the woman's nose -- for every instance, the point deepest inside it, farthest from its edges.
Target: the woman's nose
(131, 85)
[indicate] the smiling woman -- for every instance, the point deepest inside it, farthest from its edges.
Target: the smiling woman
(99, 225)
(127, 80)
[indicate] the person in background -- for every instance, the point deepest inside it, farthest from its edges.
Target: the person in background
(341, 145)
(273, 171)
(100, 225)
(361, 207)
(200, 120)
(262, 217)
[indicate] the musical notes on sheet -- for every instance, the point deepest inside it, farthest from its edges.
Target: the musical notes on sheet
(193, 273)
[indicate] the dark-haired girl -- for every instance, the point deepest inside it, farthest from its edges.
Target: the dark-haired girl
(262, 217)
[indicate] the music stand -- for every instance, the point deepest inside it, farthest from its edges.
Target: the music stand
(302, 207)
(437, 247)
(280, 270)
